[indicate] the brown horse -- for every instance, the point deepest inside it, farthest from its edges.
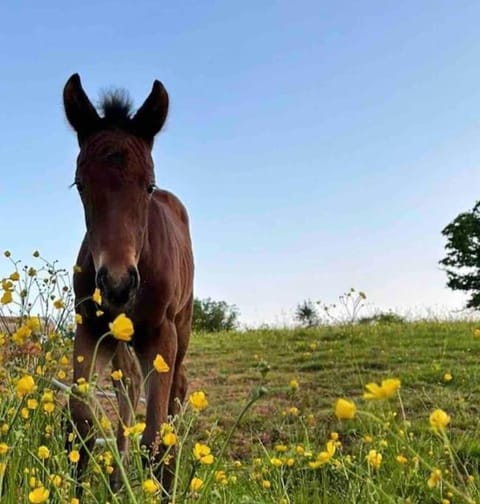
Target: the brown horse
(137, 251)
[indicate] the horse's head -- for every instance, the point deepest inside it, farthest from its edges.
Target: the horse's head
(115, 180)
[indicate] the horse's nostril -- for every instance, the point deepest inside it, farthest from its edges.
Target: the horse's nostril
(134, 277)
(101, 279)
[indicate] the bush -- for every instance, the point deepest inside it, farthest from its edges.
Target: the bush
(214, 316)
(383, 318)
(306, 313)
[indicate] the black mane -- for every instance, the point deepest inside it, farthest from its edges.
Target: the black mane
(116, 108)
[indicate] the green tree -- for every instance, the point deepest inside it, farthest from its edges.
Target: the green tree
(307, 314)
(462, 262)
(214, 316)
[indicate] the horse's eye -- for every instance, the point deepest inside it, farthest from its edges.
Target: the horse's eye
(151, 188)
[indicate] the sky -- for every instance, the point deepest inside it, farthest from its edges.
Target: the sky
(317, 145)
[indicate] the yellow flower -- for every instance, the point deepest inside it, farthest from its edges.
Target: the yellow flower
(74, 456)
(34, 324)
(476, 333)
(80, 358)
(221, 477)
(325, 456)
(439, 419)
(122, 328)
(21, 334)
(281, 448)
(266, 484)
(55, 479)
(160, 365)
(3, 448)
(78, 318)
(196, 484)
(447, 377)
(435, 478)
(293, 410)
(25, 385)
(169, 439)
(293, 385)
(6, 298)
(61, 374)
(138, 428)
(59, 304)
(387, 389)
(374, 459)
(38, 495)
(198, 400)
(276, 462)
(401, 459)
(43, 452)
(105, 423)
(97, 296)
(149, 486)
(117, 375)
(345, 409)
(15, 276)
(32, 404)
(202, 453)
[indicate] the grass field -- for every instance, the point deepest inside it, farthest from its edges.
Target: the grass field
(270, 432)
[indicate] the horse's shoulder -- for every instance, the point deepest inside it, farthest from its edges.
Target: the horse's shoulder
(167, 200)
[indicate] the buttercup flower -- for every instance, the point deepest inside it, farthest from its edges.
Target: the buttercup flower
(198, 400)
(43, 452)
(374, 459)
(6, 298)
(387, 389)
(38, 495)
(149, 486)
(97, 296)
(196, 484)
(117, 375)
(435, 478)
(439, 419)
(25, 385)
(202, 453)
(345, 409)
(74, 456)
(160, 365)
(122, 328)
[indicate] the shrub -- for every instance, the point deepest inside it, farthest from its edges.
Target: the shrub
(214, 316)
(307, 314)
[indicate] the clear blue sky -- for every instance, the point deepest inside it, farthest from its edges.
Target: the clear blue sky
(317, 145)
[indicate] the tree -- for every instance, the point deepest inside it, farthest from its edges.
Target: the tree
(462, 262)
(306, 313)
(214, 316)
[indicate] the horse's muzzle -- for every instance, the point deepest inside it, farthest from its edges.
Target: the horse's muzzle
(118, 292)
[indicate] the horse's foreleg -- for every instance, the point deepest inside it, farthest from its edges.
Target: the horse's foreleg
(158, 386)
(128, 393)
(183, 324)
(80, 432)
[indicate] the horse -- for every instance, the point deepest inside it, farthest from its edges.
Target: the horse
(137, 251)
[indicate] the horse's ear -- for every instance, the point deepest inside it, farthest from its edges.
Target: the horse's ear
(150, 117)
(80, 112)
